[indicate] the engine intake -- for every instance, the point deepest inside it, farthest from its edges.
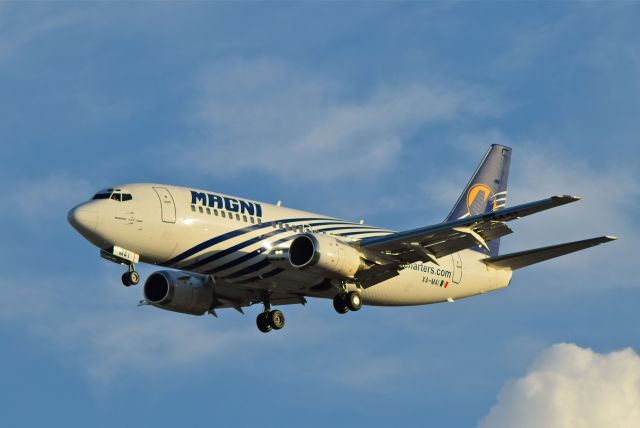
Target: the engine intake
(325, 254)
(179, 292)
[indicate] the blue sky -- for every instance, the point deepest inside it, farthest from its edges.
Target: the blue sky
(361, 110)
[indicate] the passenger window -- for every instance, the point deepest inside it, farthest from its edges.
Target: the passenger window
(252, 220)
(208, 211)
(215, 211)
(238, 217)
(200, 209)
(222, 213)
(244, 218)
(259, 221)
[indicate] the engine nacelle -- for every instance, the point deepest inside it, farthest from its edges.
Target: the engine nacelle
(179, 292)
(324, 254)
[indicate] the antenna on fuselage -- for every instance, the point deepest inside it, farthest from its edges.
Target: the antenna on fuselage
(279, 204)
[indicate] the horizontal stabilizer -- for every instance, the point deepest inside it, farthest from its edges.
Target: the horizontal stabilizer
(439, 240)
(522, 259)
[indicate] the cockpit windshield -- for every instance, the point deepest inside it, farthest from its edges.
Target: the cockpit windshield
(115, 194)
(103, 194)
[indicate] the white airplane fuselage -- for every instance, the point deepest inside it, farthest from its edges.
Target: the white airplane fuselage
(237, 241)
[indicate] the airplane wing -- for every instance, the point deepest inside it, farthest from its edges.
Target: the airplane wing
(433, 242)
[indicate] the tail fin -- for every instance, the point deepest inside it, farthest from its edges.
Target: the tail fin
(486, 191)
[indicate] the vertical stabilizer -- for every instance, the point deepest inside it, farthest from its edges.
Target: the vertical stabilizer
(487, 189)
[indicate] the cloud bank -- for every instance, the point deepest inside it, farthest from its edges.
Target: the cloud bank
(271, 116)
(569, 386)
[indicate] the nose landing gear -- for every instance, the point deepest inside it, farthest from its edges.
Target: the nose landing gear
(125, 257)
(130, 277)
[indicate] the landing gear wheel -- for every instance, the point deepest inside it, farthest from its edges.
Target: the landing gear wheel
(276, 319)
(340, 305)
(130, 278)
(134, 277)
(262, 321)
(353, 300)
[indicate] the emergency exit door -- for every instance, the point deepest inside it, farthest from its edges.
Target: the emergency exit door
(167, 204)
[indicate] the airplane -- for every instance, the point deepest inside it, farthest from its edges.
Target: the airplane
(229, 252)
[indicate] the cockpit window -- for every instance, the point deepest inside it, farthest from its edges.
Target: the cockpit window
(111, 194)
(103, 194)
(121, 197)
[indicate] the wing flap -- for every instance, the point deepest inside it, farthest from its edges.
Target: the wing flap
(377, 274)
(522, 259)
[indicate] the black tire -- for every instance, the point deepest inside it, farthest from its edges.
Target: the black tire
(340, 305)
(353, 301)
(262, 321)
(125, 279)
(134, 277)
(276, 319)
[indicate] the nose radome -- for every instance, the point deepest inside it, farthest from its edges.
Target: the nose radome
(83, 219)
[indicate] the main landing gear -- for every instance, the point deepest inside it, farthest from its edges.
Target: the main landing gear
(131, 277)
(269, 319)
(345, 302)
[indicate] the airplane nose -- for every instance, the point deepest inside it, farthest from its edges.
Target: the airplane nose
(83, 219)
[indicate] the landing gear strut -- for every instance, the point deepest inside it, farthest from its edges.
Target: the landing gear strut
(269, 319)
(131, 277)
(346, 302)
(124, 257)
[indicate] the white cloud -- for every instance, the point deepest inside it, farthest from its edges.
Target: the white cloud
(570, 387)
(270, 116)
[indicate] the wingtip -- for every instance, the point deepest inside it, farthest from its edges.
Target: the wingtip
(611, 238)
(566, 199)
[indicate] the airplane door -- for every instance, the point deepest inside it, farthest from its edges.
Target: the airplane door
(167, 204)
(457, 268)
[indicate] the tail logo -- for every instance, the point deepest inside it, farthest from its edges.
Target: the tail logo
(481, 193)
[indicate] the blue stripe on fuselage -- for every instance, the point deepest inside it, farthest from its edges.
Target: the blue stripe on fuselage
(246, 243)
(259, 265)
(234, 233)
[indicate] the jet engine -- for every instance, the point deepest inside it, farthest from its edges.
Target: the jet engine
(179, 292)
(324, 254)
